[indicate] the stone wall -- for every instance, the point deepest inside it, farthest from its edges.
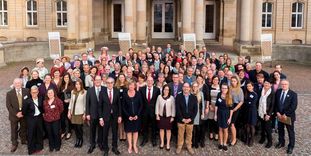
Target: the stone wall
(299, 53)
(24, 51)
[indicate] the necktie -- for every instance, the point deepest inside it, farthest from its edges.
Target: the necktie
(110, 97)
(282, 101)
(149, 95)
(175, 90)
(97, 93)
(19, 98)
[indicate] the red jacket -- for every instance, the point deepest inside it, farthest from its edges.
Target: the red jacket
(52, 112)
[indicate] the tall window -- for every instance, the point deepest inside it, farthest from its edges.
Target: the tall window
(3, 13)
(61, 11)
(297, 15)
(267, 15)
(32, 13)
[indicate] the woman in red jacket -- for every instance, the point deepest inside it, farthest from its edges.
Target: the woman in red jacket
(53, 107)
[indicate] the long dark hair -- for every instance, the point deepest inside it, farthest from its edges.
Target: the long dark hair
(169, 90)
(63, 84)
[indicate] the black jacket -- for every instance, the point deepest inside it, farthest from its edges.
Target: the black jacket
(28, 109)
(181, 108)
(105, 107)
(92, 103)
(149, 109)
(290, 103)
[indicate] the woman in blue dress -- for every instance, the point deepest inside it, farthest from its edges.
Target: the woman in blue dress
(223, 115)
(251, 99)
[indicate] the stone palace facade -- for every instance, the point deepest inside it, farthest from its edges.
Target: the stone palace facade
(86, 23)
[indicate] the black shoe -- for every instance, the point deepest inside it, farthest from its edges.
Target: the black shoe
(220, 147)
(24, 142)
(143, 143)
(202, 144)
(168, 149)
(57, 149)
(80, 143)
(106, 153)
(269, 144)
(154, 143)
(101, 147)
(261, 141)
(91, 149)
(290, 151)
(279, 145)
(116, 151)
(51, 149)
(77, 143)
(161, 147)
(196, 145)
(225, 148)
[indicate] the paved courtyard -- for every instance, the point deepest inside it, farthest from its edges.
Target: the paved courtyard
(299, 76)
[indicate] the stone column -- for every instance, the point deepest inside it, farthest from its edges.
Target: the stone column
(186, 16)
(85, 19)
(73, 20)
(246, 23)
(141, 20)
(257, 21)
(199, 20)
(128, 16)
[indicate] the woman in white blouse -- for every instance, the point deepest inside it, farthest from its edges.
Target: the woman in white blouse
(89, 79)
(165, 113)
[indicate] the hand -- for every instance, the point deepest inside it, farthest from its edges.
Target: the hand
(184, 120)
(158, 118)
(284, 117)
(211, 108)
(135, 117)
(229, 121)
(172, 119)
(202, 116)
(267, 117)
(69, 115)
(101, 122)
(119, 120)
(88, 117)
(278, 115)
(206, 111)
(130, 118)
(83, 117)
(19, 115)
(215, 117)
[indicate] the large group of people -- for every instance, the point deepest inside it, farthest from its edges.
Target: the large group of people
(158, 95)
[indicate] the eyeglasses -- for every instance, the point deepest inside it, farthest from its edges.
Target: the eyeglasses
(109, 82)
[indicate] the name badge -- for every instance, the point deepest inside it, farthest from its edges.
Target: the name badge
(38, 84)
(219, 100)
(251, 96)
(121, 90)
(25, 97)
(52, 106)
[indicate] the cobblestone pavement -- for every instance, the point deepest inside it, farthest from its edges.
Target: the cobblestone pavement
(299, 76)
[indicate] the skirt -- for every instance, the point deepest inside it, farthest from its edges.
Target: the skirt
(165, 123)
(77, 119)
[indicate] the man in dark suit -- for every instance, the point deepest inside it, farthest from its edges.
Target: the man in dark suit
(286, 105)
(110, 114)
(257, 70)
(32, 110)
(278, 68)
(15, 99)
(91, 110)
(116, 72)
(120, 58)
(149, 94)
(175, 86)
(84, 60)
(186, 110)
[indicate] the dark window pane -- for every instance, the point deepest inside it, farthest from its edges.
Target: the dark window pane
(29, 21)
(293, 20)
(209, 18)
(294, 7)
(35, 19)
(263, 21)
(269, 7)
(58, 6)
(1, 19)
(117, 18)
(157, 24)
(64, 6)
(34, 5)
(269, 20)
(264, 7)
(300, 7)
(28, 5)
(169, 17)
(59, 19)
(299, 21)
(64, 19)
(5, 18)
(5, 5)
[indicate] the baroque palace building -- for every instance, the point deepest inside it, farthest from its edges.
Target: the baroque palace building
(85, 23)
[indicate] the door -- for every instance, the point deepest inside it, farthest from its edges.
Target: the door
(117, 18)
(210, 15)
(163, 19)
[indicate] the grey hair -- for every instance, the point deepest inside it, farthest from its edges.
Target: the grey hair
(34, 88)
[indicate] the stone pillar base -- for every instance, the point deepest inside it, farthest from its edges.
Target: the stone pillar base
(200, 44)
(74, 46)
(247, 49)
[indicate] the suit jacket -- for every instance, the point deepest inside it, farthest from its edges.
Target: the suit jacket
(81, 64)
(105, 107)
(149, 109)
(253, 73)
(92, 103)
(290, 103)
(121, 61)
(29, 107)
(12, 102)
(181, 108)
(179, 89)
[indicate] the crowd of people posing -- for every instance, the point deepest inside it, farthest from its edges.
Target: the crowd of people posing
(172, 95)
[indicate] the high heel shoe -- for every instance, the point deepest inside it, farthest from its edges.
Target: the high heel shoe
(77, 143)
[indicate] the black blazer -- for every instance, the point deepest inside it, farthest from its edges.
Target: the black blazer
(92, 103)
(149, 109)
(181, 112)
(120, 60)
(290, 103)
(81, 64)
(12, 102)
(179, 89)
(105, 107)
(29, 107)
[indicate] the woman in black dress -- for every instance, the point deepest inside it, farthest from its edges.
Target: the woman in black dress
(132, 107)
(223, 115)
(251, 99)
(35, 80)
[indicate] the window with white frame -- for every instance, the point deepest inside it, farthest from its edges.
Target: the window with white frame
(3, 13)
(297, 15)
(267, 15)
(32, 13)
(61, 13)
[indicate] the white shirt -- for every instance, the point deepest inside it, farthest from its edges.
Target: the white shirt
(97, 91)
(37, 112)
(151, 91)
(18, 91)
